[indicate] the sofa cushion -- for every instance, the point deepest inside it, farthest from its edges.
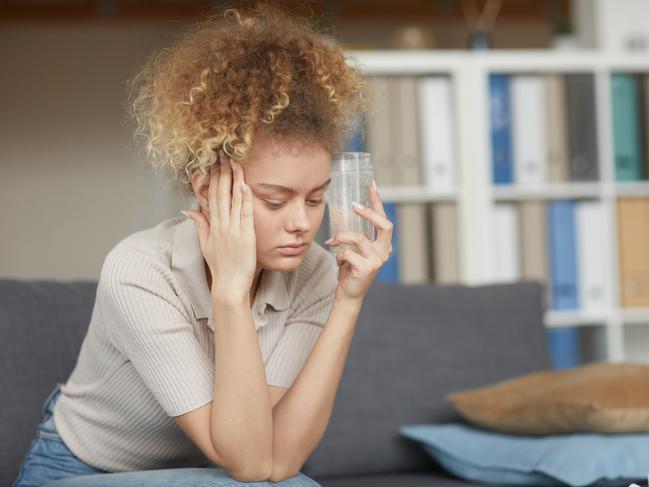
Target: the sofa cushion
(596, 398)
(557, 460)
(405, 479)
(42, 324)
(412, 345)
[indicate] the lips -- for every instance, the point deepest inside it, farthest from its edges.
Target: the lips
(292, 246)
(291, 250)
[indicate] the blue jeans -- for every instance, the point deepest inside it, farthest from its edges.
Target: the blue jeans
(49, 463)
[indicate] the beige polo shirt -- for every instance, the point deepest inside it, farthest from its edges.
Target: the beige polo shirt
(148, 353)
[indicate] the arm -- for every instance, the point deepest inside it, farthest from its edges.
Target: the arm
(301, 417)
(241, 420)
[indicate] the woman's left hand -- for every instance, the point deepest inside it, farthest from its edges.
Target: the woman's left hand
(361, 261)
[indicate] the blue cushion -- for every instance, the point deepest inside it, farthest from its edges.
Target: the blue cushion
(496, 458)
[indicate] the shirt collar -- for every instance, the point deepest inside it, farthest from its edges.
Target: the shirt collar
(187, 265)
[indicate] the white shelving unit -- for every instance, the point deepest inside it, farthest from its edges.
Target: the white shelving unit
(476, 195)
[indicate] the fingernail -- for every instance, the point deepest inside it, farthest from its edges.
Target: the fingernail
(374, 185)
(185, 213)
(357, 205)
(329, 240)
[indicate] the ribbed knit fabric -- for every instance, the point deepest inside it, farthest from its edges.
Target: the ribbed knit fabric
(148, 353)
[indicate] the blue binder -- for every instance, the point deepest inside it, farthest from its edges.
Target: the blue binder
(564, 346)
(390, 270)
(501, 137)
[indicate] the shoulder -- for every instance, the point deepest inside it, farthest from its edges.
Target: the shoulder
(140, 262)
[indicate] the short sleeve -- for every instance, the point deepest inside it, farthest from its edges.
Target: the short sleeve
(303, 327)
(147, 323)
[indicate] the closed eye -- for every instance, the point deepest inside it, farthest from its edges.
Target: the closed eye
(277, 206)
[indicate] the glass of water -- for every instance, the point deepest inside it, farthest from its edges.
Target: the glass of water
(351, 178)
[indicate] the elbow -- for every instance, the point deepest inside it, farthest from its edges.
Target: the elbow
(253, 474)
(279, 474)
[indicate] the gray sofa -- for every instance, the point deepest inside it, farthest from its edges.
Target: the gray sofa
(412, 345)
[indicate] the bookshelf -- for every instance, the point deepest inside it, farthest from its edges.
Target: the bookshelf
(622, 332)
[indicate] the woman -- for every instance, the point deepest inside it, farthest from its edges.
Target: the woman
(219, 340)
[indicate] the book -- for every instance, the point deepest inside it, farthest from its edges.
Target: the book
(625, 106)
(563, 342)
(562, 254)
(593, 257)
(564, 347)
(528, 130)
(506, 258)
(379, 130)
(405, 142)
(444, 267)
(633, 248)
(582, 127)
(501, 137)
(390, 270)
(533, 228)
(437, 134)
(556, 131)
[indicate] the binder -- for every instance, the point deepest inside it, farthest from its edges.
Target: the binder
(528, 130)
(506, 259)
(404, 104)
(556, 131)
(593, 257)
(532, 222)
(404, 139)
(390, 270)
(644, 121)
(379, 130)
(437, 133)
(413, 244)
(445, 267)
(582, 129)
(562, 254)
(563, 342)
(629, 163)
(633, 219)
(501, 137)
(564, 347)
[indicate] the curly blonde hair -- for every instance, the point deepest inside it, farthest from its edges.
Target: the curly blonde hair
(235, 74)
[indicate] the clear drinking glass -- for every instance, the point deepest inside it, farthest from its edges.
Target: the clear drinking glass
(351, 177)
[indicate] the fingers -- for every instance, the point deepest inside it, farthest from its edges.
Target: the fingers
(212, 195)
(237, 196)
(225, 191)
(375, 198)
(379, 219)
(347, 255)
(247, 219)
(364, 246)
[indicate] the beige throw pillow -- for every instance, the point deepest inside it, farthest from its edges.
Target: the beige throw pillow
(601, 397)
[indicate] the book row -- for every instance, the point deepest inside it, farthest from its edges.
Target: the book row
(543, 129)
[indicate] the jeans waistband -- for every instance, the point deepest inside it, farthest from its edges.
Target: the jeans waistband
(48, 405)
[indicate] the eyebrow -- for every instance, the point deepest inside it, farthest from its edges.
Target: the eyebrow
(284, 189)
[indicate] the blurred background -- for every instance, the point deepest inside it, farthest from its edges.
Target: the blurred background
(512, 114)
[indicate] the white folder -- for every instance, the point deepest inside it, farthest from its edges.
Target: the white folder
(507, 256)
(593, 257)
(528, 130)
(437, 132)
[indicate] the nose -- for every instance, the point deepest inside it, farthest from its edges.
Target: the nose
(298, 220)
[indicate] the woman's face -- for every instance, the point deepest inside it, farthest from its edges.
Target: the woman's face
(288, 183)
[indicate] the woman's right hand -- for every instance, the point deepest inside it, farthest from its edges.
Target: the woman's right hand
(227, 237)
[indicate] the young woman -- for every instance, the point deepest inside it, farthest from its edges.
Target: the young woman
(219, 340)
